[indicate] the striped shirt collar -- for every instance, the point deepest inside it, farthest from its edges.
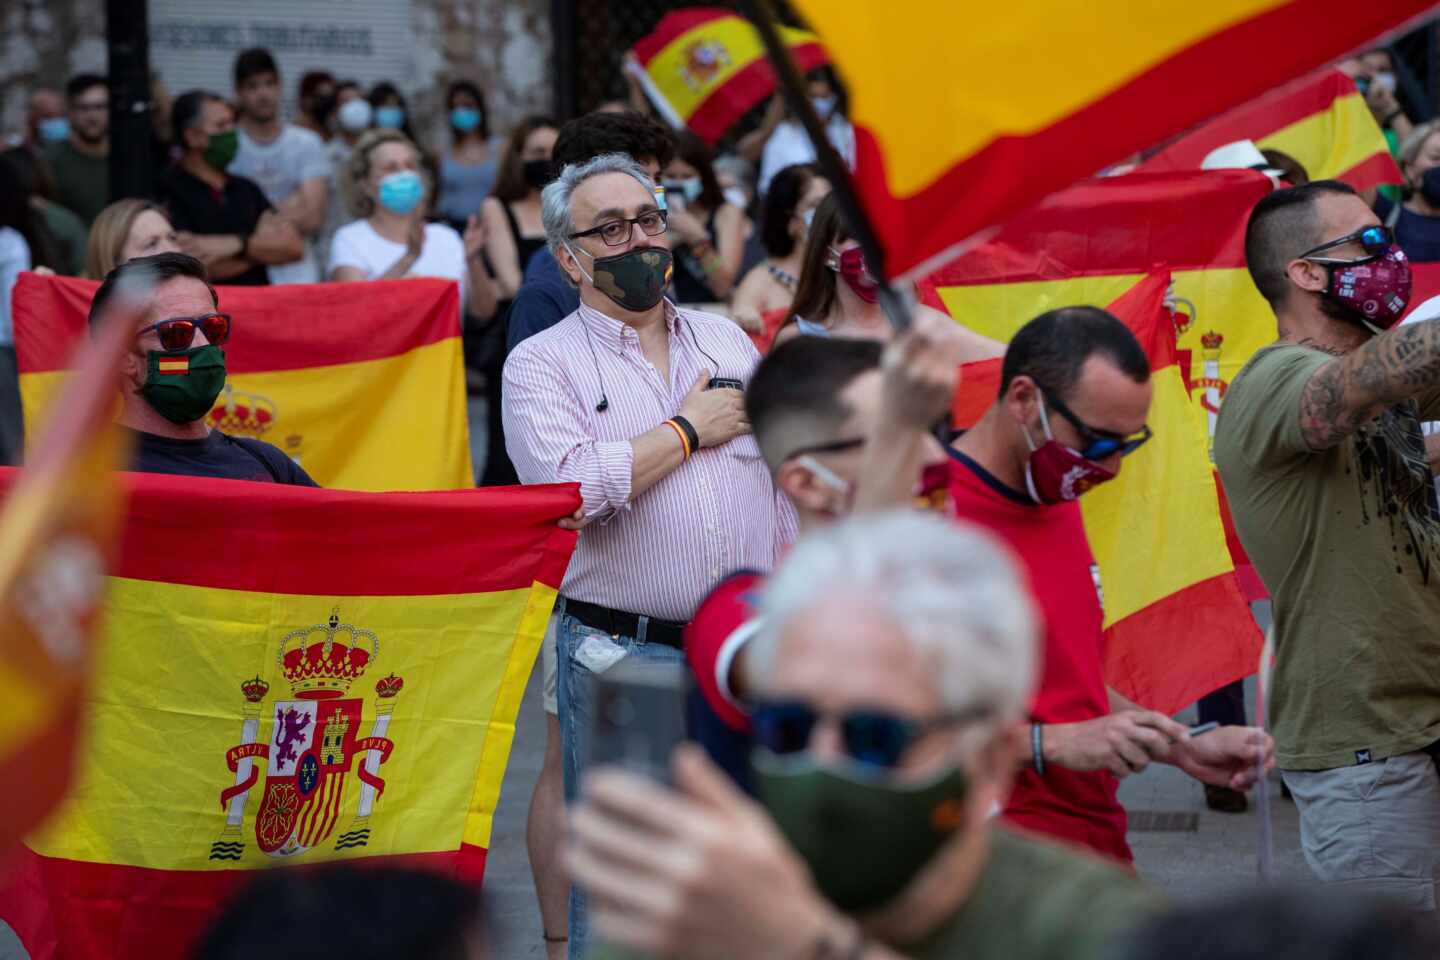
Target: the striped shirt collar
(614, 334)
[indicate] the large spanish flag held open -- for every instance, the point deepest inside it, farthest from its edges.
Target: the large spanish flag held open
(1321, 120)
(288, 676)
(705, 67)
(965, 114)
(1177, 624)
(362, 384)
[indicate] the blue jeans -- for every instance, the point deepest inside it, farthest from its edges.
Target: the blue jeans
(584, 652)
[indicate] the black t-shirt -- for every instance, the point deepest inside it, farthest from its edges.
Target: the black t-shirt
(218, 455)
(196, 207)
(1417, 234)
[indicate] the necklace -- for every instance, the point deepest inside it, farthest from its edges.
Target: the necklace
(787, 280)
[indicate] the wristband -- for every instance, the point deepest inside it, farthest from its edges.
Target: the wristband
(1037, 748)
(684, 440)
(690, 432)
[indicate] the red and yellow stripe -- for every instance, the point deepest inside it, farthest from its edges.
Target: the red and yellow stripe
(362, 383)
(705, 67)
(456, 586)
(1051, 91)
(173, 365)
(1321, 120)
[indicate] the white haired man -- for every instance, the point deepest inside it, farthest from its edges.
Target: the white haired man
(641, 403)
(897, 655)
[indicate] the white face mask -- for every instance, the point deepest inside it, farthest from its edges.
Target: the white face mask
(828, 477)
(355, 115)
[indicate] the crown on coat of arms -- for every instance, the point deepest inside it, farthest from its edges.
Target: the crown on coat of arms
(388, 686)
(1211, 340)
(254, 690)
(237, 412)
(321, 661)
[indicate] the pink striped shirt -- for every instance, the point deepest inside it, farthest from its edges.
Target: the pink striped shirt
(659, 553)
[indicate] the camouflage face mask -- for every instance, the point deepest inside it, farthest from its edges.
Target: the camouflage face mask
(635, 279)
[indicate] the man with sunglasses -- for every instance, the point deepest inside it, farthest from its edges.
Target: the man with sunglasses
(175, 369)
(897, 654)
(1319, 445)
(1074, 396)
(637, 401)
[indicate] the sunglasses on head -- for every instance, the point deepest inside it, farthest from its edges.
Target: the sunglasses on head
(1375, 240)
(1099, 444)
(873, 738)
(177, 333)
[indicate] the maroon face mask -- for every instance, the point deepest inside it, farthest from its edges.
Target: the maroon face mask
(851, 267)
(1377, 291)
(1055, 473)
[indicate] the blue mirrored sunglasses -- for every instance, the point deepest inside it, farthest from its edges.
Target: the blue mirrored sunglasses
(874, 738)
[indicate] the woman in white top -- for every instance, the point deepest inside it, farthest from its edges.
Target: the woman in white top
(392, 240)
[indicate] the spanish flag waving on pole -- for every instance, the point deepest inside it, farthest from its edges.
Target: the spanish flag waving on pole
(288, 676)
(362, 384)
(966, 114)
(705, 67)
(1320, 120)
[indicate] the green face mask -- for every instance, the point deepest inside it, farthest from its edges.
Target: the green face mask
(863, 839)
(182, 384)
(221, 149)
(636, 279)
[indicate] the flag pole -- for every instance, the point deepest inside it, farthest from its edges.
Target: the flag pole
(897, 305)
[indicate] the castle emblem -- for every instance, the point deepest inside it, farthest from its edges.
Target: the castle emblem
(312, 745)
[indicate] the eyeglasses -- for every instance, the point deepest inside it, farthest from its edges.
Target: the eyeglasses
(1376, 240)
(616, 232)
(177, 333)
(834, 446)
(875, 738)
(1099, 444)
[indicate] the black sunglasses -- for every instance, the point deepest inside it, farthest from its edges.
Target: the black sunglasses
(875, 738)
(1099, 444)
(616, 232)
(1376, 240)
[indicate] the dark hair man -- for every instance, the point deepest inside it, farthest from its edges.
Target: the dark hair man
(286, 161)
(545, 296)
(1074, 396)
(174, 371)
(80, 163)
(316, 101)
(1319, 445)
(223, 220)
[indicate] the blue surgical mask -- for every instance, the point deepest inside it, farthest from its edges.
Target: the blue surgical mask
(54, 129)
(390, 118)
(690, 188)
(401, 192)
(355, 115)
(465, 119)
(809, 218)
(823, 106)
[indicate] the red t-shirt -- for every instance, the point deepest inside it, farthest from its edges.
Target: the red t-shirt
(1050, 540)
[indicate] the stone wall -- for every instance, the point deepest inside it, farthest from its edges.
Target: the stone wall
(503, 45)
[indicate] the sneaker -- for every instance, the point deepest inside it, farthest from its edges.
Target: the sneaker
(1225, 800)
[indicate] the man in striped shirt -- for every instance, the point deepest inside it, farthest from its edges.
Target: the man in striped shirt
(635, 400)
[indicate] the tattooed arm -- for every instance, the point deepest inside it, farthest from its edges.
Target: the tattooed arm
(1350, 391)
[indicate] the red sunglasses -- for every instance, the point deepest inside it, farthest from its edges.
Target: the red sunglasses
(178, 333)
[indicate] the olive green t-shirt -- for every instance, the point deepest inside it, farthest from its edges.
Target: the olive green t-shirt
(1040, 900)
(1347, 542)
(82, 180)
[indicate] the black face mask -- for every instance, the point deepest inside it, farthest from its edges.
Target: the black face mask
(1430, 186)
(538, 173)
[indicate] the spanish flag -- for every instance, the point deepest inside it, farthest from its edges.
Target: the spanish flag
(1321, 120)
(1177, 624)
(362, 384)
(57, 535)
(287, 677)
(965, 114)
(705, 68)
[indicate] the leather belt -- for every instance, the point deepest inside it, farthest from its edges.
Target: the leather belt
(620, 623)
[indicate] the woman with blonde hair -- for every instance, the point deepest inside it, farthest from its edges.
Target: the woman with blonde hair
(125, 230)
(391, 239)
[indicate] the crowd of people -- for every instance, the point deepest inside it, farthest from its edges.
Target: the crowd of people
(904, 742)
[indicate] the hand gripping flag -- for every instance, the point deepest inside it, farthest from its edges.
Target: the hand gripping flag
(362, 384)
(1177, 624)
(966, 115)
(705, 67)
(1321, 120)
(288, 676)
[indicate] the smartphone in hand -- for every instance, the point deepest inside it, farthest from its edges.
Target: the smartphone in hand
(639, 716)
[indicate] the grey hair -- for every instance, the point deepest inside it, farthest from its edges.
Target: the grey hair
(1411, 146)
(954, 591)
(555, 198)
